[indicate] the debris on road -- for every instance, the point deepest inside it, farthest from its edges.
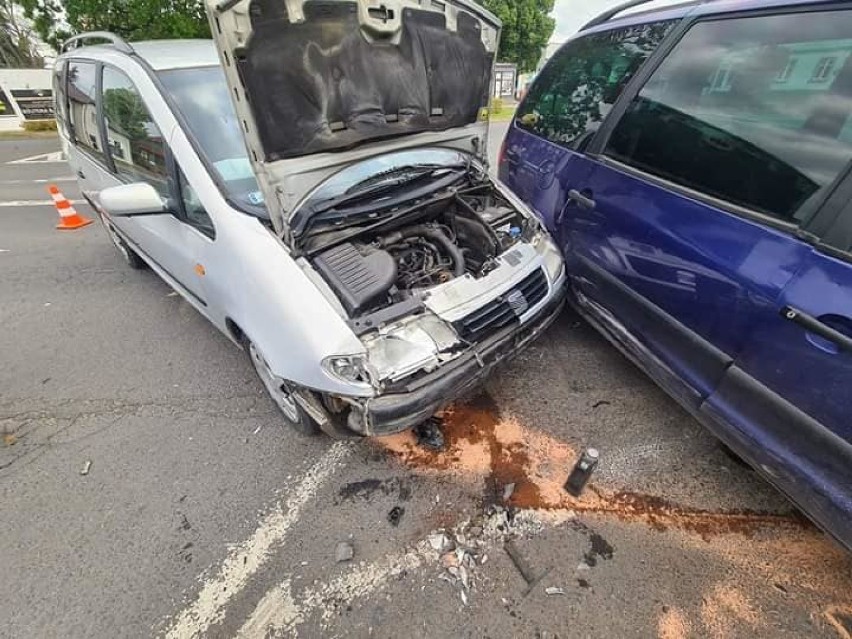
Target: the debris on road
(582, 472)
(86, 467)
(553, 590)
(603, 402)
(10, 439)
(508, 489)
(395, 515)
(523, 566)
(429, 434)
(344, 552)
(440, 542)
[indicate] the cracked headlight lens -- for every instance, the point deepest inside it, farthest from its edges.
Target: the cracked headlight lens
(351, 369)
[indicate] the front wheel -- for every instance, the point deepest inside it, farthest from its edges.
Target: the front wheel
(281, 394)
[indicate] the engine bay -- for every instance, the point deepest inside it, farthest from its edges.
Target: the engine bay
(445, 238)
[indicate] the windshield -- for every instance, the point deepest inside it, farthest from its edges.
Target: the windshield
(201, 96)
(353, 176)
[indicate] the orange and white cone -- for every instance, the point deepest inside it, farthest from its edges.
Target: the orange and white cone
(69, 219)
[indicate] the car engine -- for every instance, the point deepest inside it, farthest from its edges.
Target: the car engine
(455, 238)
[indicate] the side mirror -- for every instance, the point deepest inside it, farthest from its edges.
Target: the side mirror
(139, 198)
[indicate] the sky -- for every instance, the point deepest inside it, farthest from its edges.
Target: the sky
(572, 14)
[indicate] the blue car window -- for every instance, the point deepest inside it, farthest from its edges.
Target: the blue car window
(577, 89)
(753, 111)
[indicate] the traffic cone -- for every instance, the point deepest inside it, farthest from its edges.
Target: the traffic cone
(69, 219)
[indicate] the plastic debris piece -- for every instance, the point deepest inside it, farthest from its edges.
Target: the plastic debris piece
(86, 467)
(553, 590)
(508, 489)
(449, 560)
(344, 552)
(463, 595)
(465, 578)
(429, 434)
(440, 542)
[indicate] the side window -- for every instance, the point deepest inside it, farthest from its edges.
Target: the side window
(60, 95)
(194, 212)
(579, 86)
(753, 111)
(83, 111)
(133, 139)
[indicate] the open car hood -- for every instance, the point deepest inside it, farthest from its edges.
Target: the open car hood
(320, 84)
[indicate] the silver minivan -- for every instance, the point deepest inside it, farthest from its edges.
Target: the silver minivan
(314, 181)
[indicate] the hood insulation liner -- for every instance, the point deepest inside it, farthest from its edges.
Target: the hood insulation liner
(325, 84)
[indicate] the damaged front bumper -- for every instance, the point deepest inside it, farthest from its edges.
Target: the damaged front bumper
(412, 403)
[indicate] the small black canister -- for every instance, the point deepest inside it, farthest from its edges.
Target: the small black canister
(582, 472)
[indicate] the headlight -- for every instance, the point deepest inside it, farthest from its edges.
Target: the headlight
(553, 262)
(351, 369)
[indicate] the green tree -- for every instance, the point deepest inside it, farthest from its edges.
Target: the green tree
(18, 45)
(527, 27)
(57, 20)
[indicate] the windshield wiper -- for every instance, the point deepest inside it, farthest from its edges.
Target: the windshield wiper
(385, 182)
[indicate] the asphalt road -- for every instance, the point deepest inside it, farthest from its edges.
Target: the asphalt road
(201, 516)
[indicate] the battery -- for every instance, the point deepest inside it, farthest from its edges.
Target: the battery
(582, 471)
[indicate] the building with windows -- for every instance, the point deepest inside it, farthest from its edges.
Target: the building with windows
(25, 94)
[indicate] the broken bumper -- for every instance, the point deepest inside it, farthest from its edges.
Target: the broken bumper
(404, 407)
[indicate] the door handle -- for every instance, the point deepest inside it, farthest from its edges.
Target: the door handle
(813, 325)
(81, 175)
(583, 201)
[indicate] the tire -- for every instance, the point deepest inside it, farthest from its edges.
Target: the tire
(130, 256)
(291, 413)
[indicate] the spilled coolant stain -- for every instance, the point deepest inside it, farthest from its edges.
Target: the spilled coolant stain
(480, 443)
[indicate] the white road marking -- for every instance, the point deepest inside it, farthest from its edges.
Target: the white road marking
(21, 203)
(244, 560)
(42, 158)
(4, 250)
(278, 611)
(40, 180)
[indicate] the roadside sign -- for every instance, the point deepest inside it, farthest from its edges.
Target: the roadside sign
(35, 104)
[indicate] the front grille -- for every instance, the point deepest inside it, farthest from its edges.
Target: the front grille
(504, 310)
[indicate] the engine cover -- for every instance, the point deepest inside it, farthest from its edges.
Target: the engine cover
(359, 274)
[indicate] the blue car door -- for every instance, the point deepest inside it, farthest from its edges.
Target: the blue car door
(688, 230)
(566, 105)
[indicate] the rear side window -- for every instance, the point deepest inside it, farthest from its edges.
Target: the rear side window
(82, 105)
(133, 139)
(753, 111)
(578, 87)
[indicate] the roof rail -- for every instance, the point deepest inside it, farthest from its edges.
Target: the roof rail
(611, 13)
(77, 41)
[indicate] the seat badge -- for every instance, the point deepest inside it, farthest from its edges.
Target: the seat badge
(517, 302)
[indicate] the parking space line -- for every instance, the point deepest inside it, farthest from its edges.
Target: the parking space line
(22, 203)
(247, 558)
(69, 178)
(278, 611)
(41, 158)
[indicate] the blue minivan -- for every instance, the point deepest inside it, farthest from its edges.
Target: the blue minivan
(695, 165)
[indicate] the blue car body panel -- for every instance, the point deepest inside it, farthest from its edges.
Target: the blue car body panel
(695, 294)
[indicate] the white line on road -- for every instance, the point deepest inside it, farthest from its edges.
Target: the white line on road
(244, 560)
(13, 203)
(41, 158)
(70, 178)
(278, 611)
